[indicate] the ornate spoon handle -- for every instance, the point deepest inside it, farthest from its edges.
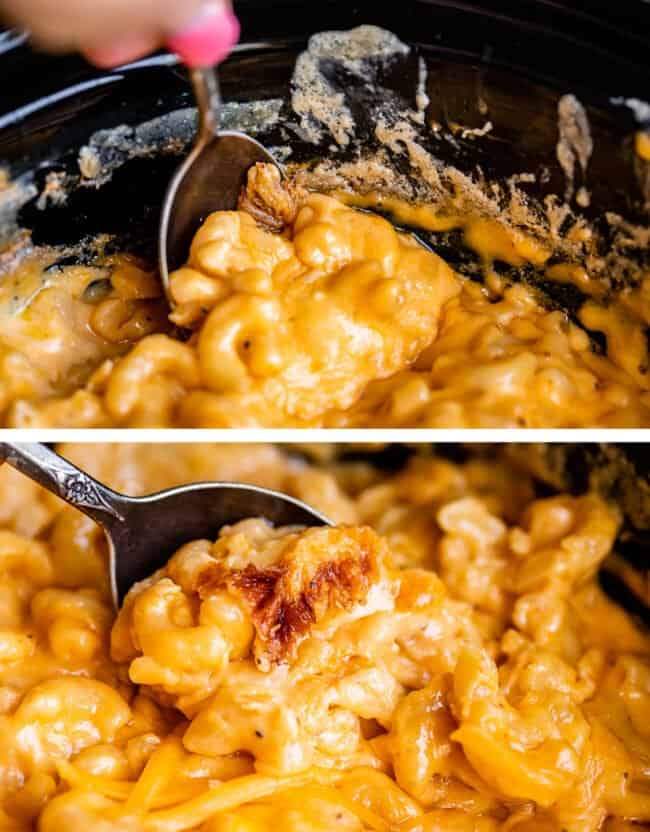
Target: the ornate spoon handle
(64, 479)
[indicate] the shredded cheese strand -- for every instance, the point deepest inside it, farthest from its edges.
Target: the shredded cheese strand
(120, 790)
(230, 795)
(157, 773)
(331, 795)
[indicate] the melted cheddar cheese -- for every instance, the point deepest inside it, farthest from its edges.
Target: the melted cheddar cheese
(322, 315)
(442, 659)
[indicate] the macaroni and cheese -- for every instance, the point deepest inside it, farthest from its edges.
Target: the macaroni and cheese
(442, 659)
(299, 310)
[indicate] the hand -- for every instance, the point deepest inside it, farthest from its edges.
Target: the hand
(112, 32)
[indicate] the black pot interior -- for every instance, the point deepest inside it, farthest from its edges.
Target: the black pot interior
(516, 57)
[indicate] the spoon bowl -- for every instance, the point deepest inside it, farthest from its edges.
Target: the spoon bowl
(144, 532)
(210, 179)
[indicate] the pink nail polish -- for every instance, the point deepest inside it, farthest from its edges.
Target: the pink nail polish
(208, 40)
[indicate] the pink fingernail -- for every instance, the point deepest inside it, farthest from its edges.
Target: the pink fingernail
(207, 41)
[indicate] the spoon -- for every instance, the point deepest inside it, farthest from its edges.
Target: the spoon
(144, 532)
(210, 179)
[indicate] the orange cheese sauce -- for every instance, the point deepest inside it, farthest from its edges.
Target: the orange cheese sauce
(339, 321)
(443, 659)
(642, 145)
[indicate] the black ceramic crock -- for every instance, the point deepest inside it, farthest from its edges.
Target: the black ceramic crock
(519, 55)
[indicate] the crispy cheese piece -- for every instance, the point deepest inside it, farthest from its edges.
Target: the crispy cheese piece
(279, 583)
(318, 573)
(271, 201)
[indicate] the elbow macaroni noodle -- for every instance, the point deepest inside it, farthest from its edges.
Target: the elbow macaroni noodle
(339, 320)
(442, 660)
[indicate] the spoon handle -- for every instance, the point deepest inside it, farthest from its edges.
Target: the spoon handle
(59, 476)
(207, 92)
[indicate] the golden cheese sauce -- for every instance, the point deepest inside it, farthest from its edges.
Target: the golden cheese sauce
(642, 145)
(57, 325)
(443, 659)
(334, 319)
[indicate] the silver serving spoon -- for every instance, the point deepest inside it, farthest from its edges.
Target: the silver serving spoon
(143, 532)
(210, 179)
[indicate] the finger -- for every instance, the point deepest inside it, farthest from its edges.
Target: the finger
(92, 24)
(205, 41)
(208, 39)
(122, 52)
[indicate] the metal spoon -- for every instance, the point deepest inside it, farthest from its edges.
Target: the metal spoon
(143, 532)
(210, 179)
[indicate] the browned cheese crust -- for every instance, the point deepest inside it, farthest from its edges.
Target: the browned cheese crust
(269, 199)
(287, 598)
